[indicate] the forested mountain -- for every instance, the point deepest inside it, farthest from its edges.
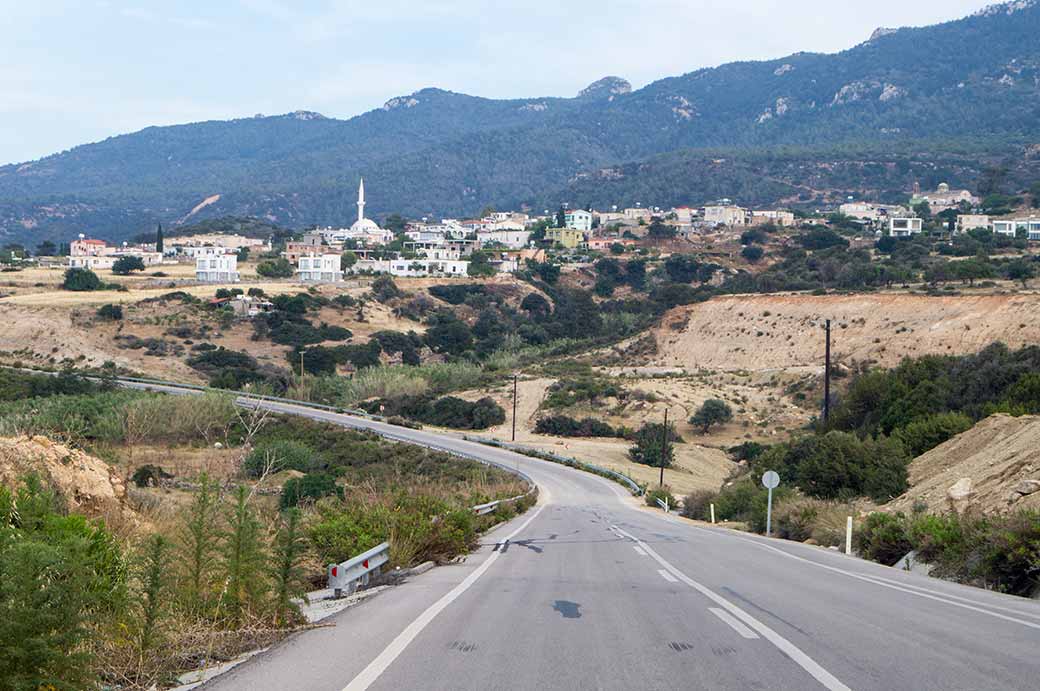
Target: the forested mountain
(903, 96)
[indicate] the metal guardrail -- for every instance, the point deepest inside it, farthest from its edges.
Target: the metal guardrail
(562, 460)
(387, 434)
(663, 503)
(484, 509)
(348, 575)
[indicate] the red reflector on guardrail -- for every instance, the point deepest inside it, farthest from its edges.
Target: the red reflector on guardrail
(365, 563)
(335, 571)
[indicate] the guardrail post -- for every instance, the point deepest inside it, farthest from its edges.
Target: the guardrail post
(712, 512)
(848, 535)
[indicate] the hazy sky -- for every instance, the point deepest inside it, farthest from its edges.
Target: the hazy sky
(72, 71)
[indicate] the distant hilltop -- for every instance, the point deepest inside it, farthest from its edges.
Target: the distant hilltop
(969, 85)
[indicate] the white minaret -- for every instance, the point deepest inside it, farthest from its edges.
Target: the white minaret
(361, 201)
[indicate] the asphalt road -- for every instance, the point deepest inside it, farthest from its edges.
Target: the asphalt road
(588, 590)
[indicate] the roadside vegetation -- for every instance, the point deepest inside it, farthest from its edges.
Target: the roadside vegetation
(881, 422)
(230, 516)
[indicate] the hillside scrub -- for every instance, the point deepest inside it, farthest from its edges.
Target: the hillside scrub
(926, 400)
(839, 465)
(565, 426)
(994, 552)
(568, 392)
(652, 448)
(712, 412)
(220, 576)
(449, 411)
(17, 385)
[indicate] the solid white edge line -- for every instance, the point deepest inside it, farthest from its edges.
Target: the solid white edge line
(639, 550)
(909, 588)
(667, 576)
(376, 667)
(733, 623)
(789, 649)
(938, 597)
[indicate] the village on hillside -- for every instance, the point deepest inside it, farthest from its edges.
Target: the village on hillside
(501, 242)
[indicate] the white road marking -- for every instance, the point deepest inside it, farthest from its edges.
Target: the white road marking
(733, 623)
(639, 550)
(375, 669)
(911, 589)
(789, 649)
(667, 576)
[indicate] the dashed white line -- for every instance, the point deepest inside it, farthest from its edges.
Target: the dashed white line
(828, 680)
(639, 550)
(667, 576)
(733, 623)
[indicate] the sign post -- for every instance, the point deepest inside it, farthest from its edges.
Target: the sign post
(770, 480)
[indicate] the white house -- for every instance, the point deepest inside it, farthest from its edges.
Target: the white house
(217, 268)
(319, 268)
(414, 268)
(109, 258)
(725, 215)
(905, 226)
(513, 239)
(1010, 227)
(784, 219)
(88, 247)
(866, 211)
(91, 261)
(197, 251)
(579, 219)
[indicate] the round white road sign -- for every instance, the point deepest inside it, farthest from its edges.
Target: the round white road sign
(770, 479)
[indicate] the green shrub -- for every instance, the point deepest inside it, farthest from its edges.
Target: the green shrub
(17, 386)
(796, 522)
(564, 426)
(747, 500)
(663, 493)
(567, 392)
(384, 289)
(449, 411)
(125, 265)
(81, 280)
(310, 487)
(456, 294)
(838, 465)
(76, 419)
(419, 528)
(275, 268)
(149, 476)
(281, 454)
(712, 412)
(697, 504)
(925, 434)
(883, 538)
(651, 448)
(63, 580)
(110, 312)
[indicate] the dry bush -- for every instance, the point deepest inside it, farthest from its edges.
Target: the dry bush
(802, 518)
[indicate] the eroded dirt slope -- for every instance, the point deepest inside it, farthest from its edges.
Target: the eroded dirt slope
(999, 457)
(756, 332)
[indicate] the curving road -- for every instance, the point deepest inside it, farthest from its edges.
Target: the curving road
(588, 590)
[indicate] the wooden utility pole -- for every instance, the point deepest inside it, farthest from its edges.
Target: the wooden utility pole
(514, 408)
(827, 375)
(664, 447)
